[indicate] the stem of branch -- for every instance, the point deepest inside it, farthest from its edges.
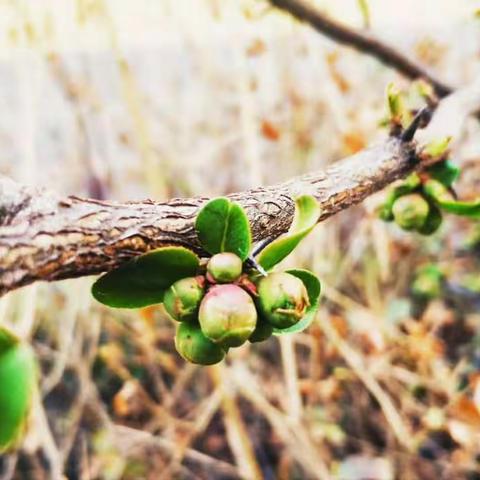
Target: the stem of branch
(43, 237)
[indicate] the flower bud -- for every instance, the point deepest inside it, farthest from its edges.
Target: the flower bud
(433, 221)
(225, 267)
(282, 299)
(17, 381)
(182, 299)
(195, 347)
(428, 282)
(262, 332)
(410, 211)
(227, 315)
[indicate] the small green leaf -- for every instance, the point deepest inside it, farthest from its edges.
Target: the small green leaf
(222, 226)
(437, 148)
(424, 89)
(436, 191)
(399, 113)
(17, 383)
(365, 11)
(7, 339)
(445, 172)
(313, 286)
(395, 101)
(412, 182)
(464, 209)
(143, 280)
(307, 212)
(443, 199)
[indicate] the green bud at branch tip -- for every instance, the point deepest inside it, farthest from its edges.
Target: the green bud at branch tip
(224, 267)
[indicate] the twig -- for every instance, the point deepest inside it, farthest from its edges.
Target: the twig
(251, 262)
(43, 237)
(361, 41)
(420, 120)
(261, 245)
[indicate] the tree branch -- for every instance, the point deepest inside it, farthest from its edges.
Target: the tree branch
(43, 237)
(361, 41)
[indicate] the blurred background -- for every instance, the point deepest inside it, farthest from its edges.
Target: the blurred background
(154, 99)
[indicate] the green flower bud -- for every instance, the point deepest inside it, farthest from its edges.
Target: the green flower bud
(182, 299)
(428, 282)
(225, 267)
(262, 332)
(195, 347)
(385, 212)
(411, 183)
(433, 221)
(411, 211)
(282, 299)
(17, 382)
(227, 315)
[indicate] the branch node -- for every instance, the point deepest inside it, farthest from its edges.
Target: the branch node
(421, 120)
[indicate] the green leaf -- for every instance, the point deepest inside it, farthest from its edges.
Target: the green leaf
(445, 172)
(222, 226)
(464, 209)
(7, 339)
(399, 113)
(17, 383)
(307, 212)
(443, 199)
(424, 89)
(313, 286)
(395, 101)
(365, 11)
(437, 148)
(143, 280)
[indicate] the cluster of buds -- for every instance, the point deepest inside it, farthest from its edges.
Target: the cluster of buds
(411, 206)
(226, 306)
(414, 212)
(227, 298)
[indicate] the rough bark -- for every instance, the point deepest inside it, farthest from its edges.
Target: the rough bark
(43, 237)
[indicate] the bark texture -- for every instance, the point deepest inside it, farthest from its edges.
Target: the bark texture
(44, 237)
